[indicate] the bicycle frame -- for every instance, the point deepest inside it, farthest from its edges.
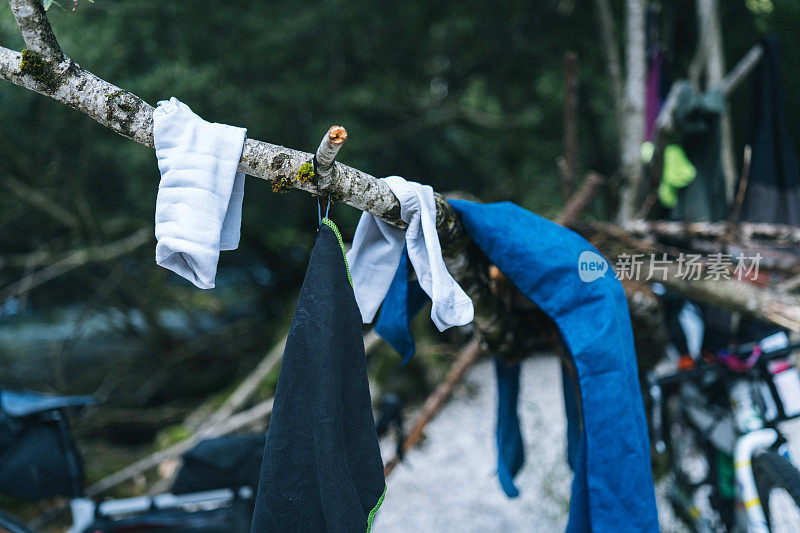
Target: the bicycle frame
(85, 511)
(743, 445)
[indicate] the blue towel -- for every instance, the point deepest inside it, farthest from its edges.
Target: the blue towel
(613, 486)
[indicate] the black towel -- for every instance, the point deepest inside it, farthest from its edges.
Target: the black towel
(322, 469)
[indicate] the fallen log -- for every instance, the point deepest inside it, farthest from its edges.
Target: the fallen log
(762, 303)
(743, 232)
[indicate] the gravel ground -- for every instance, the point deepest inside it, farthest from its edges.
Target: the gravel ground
(447, 483)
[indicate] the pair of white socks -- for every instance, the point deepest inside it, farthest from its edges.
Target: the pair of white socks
(376, 250)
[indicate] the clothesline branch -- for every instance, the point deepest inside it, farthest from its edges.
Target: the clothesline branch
(44, 69)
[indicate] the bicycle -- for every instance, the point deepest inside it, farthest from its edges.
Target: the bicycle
(717, 423)
(42, 461)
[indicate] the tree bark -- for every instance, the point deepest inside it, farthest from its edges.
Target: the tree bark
(708, 28)
(632, 134)
(605, 19)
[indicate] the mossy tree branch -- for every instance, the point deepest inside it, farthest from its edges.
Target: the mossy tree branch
(43, 68)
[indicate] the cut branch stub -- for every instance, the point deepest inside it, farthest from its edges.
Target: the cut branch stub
(333, 140)
(331, 143)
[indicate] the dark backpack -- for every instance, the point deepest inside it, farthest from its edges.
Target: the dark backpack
(38, 458)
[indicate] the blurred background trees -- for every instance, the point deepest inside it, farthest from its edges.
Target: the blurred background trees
(465, 96)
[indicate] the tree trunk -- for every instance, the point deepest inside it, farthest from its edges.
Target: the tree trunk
(632, 134)
(710, 32)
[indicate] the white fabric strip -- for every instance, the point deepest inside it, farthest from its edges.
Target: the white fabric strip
(375, 255)
(199, 202)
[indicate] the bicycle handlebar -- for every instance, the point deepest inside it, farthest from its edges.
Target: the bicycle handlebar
(686, 375)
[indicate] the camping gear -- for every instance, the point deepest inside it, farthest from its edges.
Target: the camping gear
(613, 486)
(199, 201)
(377, 247)
(231, 461)
(38, 458)
(773, 187)
(322, 468)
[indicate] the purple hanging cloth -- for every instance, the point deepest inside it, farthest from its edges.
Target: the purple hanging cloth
(654, 90)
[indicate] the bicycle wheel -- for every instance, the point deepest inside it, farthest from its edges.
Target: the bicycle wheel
(9, 524)
(778, 485)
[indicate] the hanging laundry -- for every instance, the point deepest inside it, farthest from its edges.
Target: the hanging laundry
(657, 87)
(697, 123)
(773, 188)
(199, 201)
(322, 468)
(678, 171)
(613, 486)
(510, 448)
(378, 247)
(393, 326)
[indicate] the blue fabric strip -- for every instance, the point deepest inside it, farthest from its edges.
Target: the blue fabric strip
(402, 303)
(510, 449)
(613, 486)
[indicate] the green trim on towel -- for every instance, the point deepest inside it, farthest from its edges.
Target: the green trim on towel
(374, 510)
(331, 224)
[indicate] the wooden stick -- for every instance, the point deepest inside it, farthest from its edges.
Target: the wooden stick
(438, 398)
(256, 413)
(247, 388)
(737, 203)
(665, 123)
(570, 160)
(578, 202)
(741, 70)
(77, 259)
(758, 302)
(745, 232)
